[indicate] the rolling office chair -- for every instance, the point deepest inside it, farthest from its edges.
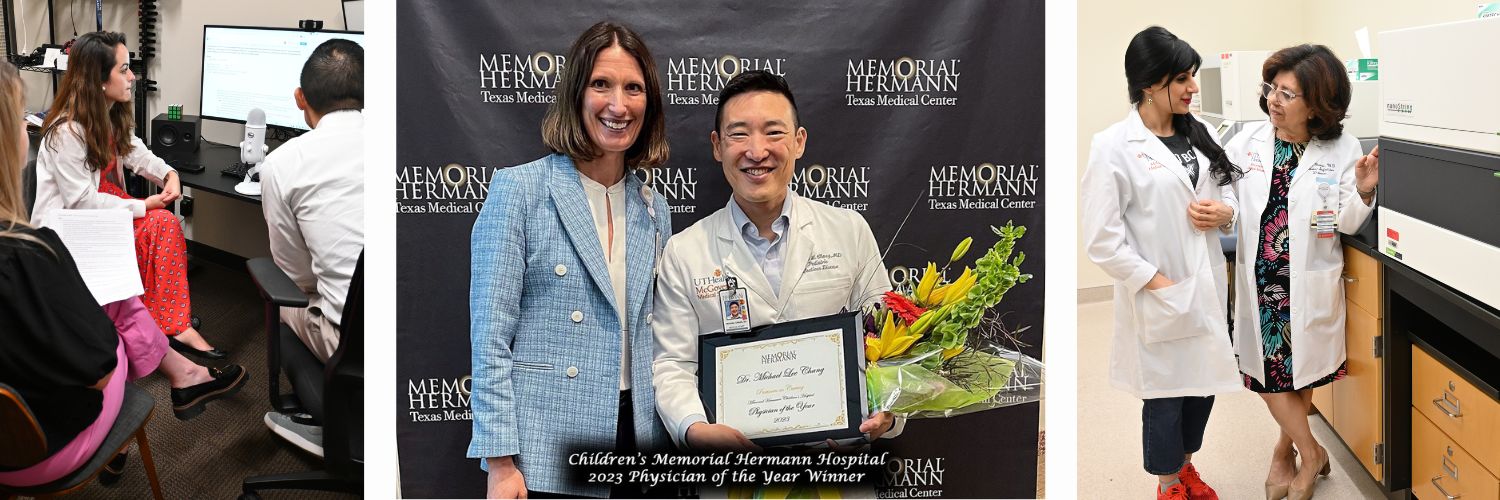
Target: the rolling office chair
(333, 393)
(22, 443)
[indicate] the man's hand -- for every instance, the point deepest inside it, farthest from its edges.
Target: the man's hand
(505, 479)
(1209, 214)
(718, 437)
(878, 424)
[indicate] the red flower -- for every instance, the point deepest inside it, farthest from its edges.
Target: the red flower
(901, 305)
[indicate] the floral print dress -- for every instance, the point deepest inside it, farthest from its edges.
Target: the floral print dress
(161, 254)
(1273, 280)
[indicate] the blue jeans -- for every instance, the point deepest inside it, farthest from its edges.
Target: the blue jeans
(1170, 429)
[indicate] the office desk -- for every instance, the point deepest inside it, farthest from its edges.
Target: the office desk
(214, 158)
(220, 230)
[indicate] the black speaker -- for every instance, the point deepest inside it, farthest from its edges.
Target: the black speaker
(175, 136)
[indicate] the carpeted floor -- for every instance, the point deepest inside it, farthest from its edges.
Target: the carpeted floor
(208, 456)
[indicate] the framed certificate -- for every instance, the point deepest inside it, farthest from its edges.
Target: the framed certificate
(792, 383)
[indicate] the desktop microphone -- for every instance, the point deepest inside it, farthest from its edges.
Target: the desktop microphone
(253, 151)
(253, 148)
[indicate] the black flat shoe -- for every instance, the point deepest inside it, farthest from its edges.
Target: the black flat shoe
(188, 402)
(211, 354)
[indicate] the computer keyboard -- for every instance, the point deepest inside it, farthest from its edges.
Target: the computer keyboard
(237, 170)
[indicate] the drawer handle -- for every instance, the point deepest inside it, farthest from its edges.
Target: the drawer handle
(1348, 278)
(1443, 404)
(1440, 489)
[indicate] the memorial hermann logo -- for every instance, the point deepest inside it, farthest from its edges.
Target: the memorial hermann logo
(985, 186)
(519, 78)
(678, 185)
(912, 478)
(904, 81)
(437, 400)
(698, 80)
(447, 189)
(904, 278)
(838, 186)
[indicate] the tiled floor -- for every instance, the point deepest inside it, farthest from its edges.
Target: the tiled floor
(1237, 449)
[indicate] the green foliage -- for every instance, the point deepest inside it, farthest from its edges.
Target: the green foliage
(997, 273)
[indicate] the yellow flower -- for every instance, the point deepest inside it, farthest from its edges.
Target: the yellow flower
(894, 340)
(924, 287)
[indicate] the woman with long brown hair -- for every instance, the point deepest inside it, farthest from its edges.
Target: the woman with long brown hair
(68, 357)
(86, 144)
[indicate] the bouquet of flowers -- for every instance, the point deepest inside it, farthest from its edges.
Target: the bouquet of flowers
(933, 353)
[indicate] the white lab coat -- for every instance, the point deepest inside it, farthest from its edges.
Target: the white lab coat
(1317, 292)
(830, 262)
(1174, 341)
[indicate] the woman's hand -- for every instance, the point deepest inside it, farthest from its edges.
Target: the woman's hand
(505, 479)
(1209, 214)
(171, 189)
(154, 201)
(1158, 282)
(1367, 175)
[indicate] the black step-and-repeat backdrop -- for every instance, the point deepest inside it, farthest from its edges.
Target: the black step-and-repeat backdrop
(925, 112)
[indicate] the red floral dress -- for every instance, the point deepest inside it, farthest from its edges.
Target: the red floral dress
(161, 254)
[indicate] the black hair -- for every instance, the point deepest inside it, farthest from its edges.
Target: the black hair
(1156, 54)
(754, 81)
(333, 78)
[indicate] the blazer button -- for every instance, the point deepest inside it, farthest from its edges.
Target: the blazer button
(561, 270)
(649, 317)
(577, 316)
(572, 372)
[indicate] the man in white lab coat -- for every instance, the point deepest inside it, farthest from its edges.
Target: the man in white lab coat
(796, 258)
(312, 194)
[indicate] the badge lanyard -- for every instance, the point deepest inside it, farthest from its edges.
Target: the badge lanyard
(1324, 219)
(734, 307)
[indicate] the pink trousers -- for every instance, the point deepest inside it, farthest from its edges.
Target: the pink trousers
(140, 351)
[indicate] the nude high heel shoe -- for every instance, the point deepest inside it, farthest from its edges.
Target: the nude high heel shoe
(1295, 494)
(1278, 491)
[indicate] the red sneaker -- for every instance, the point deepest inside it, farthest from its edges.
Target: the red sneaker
(1174, 492)
(1197, 489)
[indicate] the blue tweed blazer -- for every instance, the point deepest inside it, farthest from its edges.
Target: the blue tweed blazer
(544, 327)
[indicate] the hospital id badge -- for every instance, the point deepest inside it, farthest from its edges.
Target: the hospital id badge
(733, 307)
(1323, 223)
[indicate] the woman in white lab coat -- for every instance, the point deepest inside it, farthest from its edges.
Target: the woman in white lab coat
(1155, 197)
(1306, 180)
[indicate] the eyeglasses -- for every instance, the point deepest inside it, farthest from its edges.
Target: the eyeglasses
(1268, 91)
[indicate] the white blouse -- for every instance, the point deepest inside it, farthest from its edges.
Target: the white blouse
(64, 180)
(608, 206)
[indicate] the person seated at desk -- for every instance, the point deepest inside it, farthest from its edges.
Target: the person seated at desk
(312, 193)
(67, 357)
(86, 141)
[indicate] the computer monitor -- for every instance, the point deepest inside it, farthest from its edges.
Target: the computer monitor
(354, 15)
(252, 67)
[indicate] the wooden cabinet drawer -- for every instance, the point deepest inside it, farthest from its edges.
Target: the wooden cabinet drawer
(1362, 280)
(1357, 396)
(1323, 401)
(1457, 408)
(1441, 469)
